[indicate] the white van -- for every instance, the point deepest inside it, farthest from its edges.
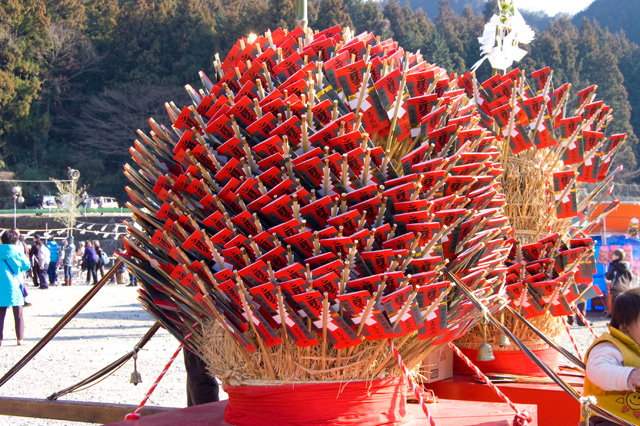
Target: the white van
(49, 202)
(103, 202)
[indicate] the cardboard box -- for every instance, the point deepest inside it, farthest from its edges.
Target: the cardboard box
(438, 365)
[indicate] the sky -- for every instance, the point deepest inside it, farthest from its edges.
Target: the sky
(553, 7)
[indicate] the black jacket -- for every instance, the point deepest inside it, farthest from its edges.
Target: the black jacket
(619, 273)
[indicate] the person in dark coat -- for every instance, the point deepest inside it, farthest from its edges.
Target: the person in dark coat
(44, 257)
(201, 387)
(90, 259)
(618, 274)
(33, 256)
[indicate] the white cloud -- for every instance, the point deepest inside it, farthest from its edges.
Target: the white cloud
(553, 7)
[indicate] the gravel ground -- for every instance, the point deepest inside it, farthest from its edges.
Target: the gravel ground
(107, 328)
(582, 336)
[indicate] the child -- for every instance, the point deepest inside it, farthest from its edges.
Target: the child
(613, 362)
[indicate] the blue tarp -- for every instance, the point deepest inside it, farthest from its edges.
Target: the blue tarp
(598, 278)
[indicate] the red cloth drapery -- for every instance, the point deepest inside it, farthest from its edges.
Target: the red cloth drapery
(363, 403)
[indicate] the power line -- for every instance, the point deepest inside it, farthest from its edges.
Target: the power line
(34, 181)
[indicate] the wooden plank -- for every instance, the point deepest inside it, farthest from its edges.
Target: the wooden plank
(76, 411)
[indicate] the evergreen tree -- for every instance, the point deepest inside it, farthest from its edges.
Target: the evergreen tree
(417, 29)
(557, 48)
(241, 18)
(282, 14)
(410, 29)
(68, 13)
(447, 24)
(332, 12)
(629, 65)
(366, 15)
(23, 26)
(470, 27)
(164, 42)
(599, 65)
(393, 13)
(490, 8)
(59, 58)
(436, 50)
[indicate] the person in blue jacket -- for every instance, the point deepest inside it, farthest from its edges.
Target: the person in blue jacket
(13, 262)
(54, 257)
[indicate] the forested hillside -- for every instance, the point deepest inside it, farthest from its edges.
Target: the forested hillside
(616, 15)
(78, 77)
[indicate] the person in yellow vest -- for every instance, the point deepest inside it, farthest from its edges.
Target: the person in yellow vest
(613, 363)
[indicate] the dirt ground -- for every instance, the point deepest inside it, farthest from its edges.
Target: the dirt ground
(107, 328)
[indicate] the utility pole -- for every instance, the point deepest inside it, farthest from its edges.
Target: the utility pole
(74, 175)
(301, 13)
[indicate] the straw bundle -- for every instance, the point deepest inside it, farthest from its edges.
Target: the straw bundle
(550, 324)
(546, 156)
(527, 185)
(293, 364)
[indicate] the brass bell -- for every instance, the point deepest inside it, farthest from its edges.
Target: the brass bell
(504, 340)
(485, 352)
(135, 376)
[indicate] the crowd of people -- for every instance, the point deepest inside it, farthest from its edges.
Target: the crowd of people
(46, 258)
(42, 261)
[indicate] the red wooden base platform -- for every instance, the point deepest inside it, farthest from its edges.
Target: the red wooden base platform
(555, 406)
(445, 413)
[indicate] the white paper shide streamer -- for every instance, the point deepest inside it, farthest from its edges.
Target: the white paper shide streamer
(502, 36)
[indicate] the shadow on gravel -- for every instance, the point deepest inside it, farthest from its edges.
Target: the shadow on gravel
(93, 337)
(129, 315)
(111, 327)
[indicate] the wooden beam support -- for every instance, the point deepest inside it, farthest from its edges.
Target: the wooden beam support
(74, 411)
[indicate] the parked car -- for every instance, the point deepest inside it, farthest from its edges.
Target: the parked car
(49, 202)
(103, 202)
(37, 201)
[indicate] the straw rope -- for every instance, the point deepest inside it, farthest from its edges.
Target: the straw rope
(293, 364)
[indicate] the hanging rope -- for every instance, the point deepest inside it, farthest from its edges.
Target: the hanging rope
(522, 418)
(109, 369)
(136, 413)
(412, 385)
(573, 341)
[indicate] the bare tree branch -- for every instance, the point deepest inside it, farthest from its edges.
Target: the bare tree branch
(108, 122)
